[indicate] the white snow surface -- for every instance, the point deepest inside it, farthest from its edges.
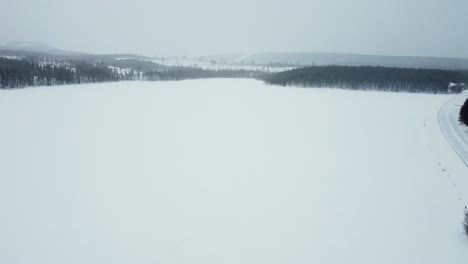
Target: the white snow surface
(226, 171)
(11, 57)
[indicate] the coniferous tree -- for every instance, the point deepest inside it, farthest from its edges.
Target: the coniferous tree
(465, 221)
(463, 117)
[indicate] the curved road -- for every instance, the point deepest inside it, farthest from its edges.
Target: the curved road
(454, 132)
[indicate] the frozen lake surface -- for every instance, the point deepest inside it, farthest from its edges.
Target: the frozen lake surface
(227, 171)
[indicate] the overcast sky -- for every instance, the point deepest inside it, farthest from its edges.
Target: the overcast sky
(183, 27)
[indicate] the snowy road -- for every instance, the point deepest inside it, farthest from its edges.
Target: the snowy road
(456, 134)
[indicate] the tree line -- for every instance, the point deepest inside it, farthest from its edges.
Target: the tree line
(182, 73)
(37, 71)
(370, 78)
(26, 72)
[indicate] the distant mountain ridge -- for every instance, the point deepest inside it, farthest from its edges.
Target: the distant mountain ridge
(28, 48)
(39, 48)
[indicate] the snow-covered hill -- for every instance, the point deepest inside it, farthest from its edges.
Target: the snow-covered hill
(38, 47)
(227, 171)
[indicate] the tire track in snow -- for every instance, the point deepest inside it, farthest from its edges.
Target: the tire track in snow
(454, 133)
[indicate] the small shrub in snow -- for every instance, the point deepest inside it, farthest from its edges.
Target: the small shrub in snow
(463, 118)
(465, 222)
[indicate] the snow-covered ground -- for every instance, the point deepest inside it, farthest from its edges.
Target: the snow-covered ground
(137, 75)
(227, 171)
(11, 57)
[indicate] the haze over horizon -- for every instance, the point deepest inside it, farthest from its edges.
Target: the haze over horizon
(399, 28)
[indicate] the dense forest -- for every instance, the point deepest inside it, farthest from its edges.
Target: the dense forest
(370, 78)
(34, 72)
(182, 73)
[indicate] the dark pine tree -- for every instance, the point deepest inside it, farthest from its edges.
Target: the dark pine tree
(465, 222)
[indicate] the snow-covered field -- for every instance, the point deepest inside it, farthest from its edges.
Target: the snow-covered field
(227, 171)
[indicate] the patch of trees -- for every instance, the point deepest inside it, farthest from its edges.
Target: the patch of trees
(370, 78)
(465, 221)
(33, 72)
(183, 73)
(135, 64)
(463, 117)
(86, 72)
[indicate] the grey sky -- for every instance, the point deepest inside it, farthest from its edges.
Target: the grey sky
(390, 27)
